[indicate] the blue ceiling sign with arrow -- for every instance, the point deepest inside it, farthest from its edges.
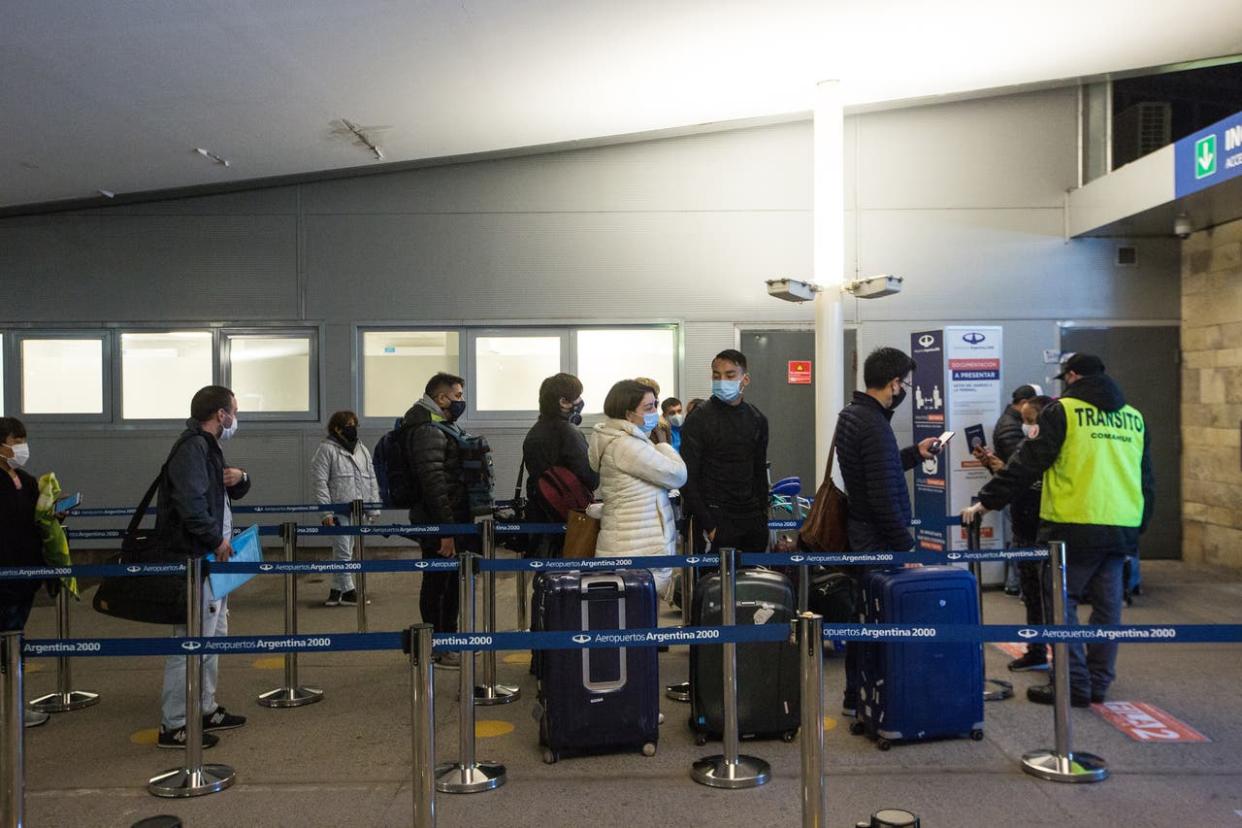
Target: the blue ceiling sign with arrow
(1208, 157)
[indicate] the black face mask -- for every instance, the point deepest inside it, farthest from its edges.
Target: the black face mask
(350, 433)
(456, 409)
(898, 398)
(574, 415)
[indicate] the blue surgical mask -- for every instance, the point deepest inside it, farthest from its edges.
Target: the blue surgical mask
(650, 421)
(726, 390)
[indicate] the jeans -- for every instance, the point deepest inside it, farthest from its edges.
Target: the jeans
(215, 623)
(1093, 576)
(342, 550)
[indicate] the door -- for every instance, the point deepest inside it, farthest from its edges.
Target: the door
(1144, 362)
(789, 407)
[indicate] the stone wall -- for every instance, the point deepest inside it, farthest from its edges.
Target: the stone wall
(1212, 396)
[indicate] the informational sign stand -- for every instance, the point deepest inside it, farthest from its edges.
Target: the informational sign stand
(957, 385)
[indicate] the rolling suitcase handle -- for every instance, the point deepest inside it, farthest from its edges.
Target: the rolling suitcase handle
(602, 587)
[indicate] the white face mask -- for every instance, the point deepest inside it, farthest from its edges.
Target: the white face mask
(1031, 430)
(675, 420)
(21, 455)
(227, 432)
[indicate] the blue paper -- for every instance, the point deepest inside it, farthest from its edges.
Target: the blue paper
(246, 547)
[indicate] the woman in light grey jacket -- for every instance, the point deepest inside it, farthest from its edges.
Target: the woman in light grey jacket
(341, 472)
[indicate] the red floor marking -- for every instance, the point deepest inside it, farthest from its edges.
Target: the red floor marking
(1015, 650)
(1144, 722)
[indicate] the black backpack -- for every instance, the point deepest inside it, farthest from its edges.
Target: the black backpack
(397, 485)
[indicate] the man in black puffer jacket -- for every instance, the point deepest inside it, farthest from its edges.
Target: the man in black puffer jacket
(435, 462)
(874, 472)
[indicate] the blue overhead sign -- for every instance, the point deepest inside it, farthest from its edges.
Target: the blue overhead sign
(1208, 157)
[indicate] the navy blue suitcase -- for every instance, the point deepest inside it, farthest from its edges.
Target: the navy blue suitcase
(916, 691)
(597, 700)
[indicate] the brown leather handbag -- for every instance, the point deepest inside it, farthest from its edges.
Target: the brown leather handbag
(826, 528)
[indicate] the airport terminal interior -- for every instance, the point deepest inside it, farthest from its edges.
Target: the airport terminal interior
(321, 206)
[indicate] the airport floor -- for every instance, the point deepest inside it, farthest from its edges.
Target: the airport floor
(347, 760)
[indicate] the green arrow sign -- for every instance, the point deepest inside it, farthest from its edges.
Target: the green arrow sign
(1205, 156)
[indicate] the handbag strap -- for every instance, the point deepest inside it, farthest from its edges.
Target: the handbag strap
(145, 503)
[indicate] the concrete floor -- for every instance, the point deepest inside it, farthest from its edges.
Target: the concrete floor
(346, 761)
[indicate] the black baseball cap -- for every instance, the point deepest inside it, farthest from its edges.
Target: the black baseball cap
(1024, 392)
(1085, 365)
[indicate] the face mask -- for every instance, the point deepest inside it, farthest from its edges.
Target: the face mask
(350, 433)
(227, 432)
(21, 455)
(676, 420)
(650, 421)
(726, 390)
(898, 398)
(456, 409)
(1030, 430)
(574, 415)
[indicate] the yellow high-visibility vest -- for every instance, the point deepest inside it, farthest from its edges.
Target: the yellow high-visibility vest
(1097, 478)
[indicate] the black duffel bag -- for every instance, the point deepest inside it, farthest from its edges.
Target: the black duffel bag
(832, 595)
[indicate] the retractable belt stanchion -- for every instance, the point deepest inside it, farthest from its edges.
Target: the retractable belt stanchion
(12, 716)
(193, 778)
(810, 639)
(680, 692)
(467, 775)
(1001, 689)
(730, 769)
(489, 692)
(360, 577)
(1062, 764)
(804, 569)
(65, 698)
(290, 694)
(423, 725)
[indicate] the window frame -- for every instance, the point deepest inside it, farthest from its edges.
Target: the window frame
(358, 366)
(224, 368)
(675, 329)
(524, 415)
(118, 376)
(15, 365)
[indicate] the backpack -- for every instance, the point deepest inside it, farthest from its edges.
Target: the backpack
(477, 471)
(397, 485)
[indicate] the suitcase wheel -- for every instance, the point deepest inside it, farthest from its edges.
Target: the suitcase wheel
(858, 728)
(884, 744)
(700, 739)
(789, 735)
(550, 757)
(649, 749)
(976, 735)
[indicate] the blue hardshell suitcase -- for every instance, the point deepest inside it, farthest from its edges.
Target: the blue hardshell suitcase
(917, 691)
(597, 700)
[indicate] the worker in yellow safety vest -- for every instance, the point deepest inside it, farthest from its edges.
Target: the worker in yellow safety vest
(1094, 454)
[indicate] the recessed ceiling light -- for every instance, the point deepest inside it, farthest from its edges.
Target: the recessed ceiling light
(211, 156)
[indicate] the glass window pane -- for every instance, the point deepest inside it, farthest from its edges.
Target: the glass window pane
(397, 364)
(270, 373)
(509, 370)
(160, 372)
(606, 356)
(62, 376)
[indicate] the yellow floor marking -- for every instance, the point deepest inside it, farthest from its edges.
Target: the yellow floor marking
(829, 723)
(269, 663)
(517, 658)
(489, 728)
(146, 736)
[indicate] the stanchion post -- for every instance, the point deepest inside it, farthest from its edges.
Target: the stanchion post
(65, 698)
(810, 638)
(489, 692)
(193, 778)
(523, 607)
(291, 693)
(680, 692)
(423, 725)
(357, 515)
(730, 769)
(467, 775)
(1062, 764)
(1001, 689)
(13, 718)
(804, 569)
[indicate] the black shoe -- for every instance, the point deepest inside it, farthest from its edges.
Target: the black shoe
(175, 739)
(849, 706)
(1029, 661)
(334, 598)
(1014, 591)
(1045, 694)
(1099, 696)
(221, 719)
(350, 599)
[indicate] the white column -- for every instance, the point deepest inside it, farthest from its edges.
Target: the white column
(828, 219)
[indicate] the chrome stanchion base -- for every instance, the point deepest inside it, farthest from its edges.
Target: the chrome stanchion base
(481, 776)
(64, 702)
(1003, 690)
(678, 692)
(290, 697)
(181, 783)
(746, 772)
(485, 696)
(1076, 767)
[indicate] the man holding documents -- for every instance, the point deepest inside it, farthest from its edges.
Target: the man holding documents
(194, 519)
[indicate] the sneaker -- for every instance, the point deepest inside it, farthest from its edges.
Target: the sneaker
(175, 739)
(334, 598)
(1098, 697)
(449, 661)
(849, 706)
(34, 718)
(1029, 661)
(1045, 694)
(350, 599)
(221, 719)
(1013, 591)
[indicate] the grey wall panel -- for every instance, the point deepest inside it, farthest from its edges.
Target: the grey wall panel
(703, 341)
(147, 268)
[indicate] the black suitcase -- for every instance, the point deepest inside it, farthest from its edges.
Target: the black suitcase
(768, 685)
(597, 700)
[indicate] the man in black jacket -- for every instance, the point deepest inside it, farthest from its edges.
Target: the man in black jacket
(434, 455)
(193, 519)
(725, 447)
(1094, 454)
(1006, 436)
(555, 440)
(874, 472)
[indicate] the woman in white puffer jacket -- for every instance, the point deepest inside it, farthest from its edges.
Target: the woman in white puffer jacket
(635, 476)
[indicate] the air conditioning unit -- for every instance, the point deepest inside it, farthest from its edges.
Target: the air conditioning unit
(1141, 129)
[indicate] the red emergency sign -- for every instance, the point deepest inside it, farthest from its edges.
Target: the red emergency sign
(800, 372)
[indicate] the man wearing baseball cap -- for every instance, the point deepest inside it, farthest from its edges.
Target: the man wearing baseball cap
(1093, 453)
